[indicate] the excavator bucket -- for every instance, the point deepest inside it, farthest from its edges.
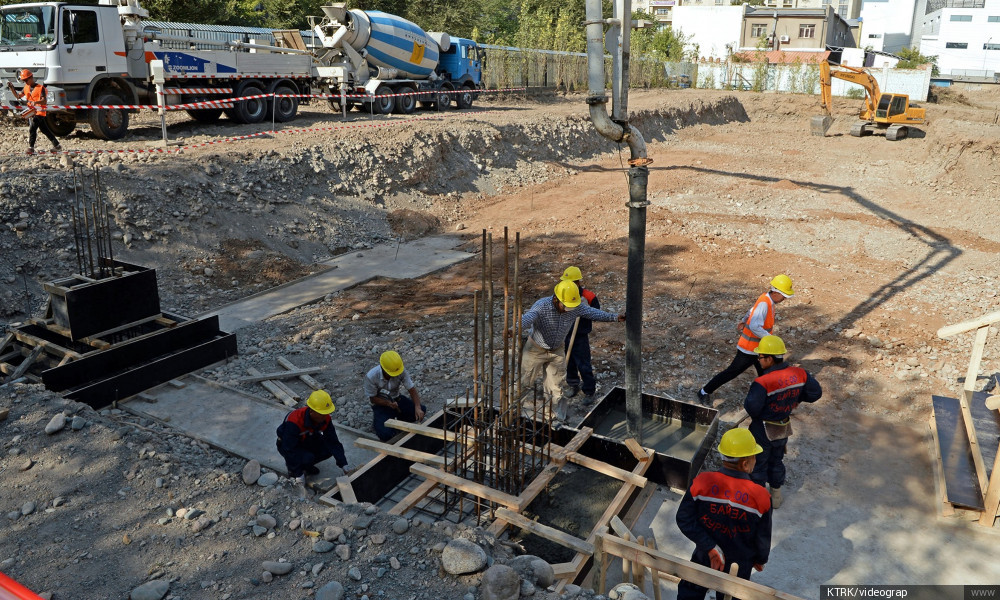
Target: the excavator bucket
(820, 125)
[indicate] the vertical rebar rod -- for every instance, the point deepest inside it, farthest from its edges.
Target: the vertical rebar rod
(90, 250)
(76, 241)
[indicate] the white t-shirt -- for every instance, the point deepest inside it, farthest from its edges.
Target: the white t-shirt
(375, 383)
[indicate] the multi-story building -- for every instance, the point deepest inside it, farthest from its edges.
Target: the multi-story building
(845, 9)
(964, 35)
(887, 25)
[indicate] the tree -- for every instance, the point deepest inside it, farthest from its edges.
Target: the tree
(457, 17)
(911, 58)
(191, 11)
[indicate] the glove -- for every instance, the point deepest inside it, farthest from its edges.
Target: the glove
(717, 559)
(759, 567)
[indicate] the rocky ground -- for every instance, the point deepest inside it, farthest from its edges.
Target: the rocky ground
(885, 241)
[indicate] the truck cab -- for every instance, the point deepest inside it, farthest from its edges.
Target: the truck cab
(462, 63)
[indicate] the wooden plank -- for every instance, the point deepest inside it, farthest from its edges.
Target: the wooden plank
(275, 390)
(7, 339)
(977, 323)
(566, 568)
(550, 533)
(610, 470)
(562, 455)
(10, 355)
(291, 393)
(619, 527)
(471, 487)
(959, 469)
(947, 508)
(306, 379)
(53, 349)
(281, 375)
(637, 450)
(413, 498)
(463, 402)
(346, 490)
(400, 452)
(966, 397)
(536, 486)
(25, 364)
(177, 383)
(689, 571)
(654, 575)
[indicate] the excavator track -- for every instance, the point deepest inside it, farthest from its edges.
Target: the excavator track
(896, 132)
(861, 129)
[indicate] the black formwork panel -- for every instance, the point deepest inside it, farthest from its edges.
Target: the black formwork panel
(91, 307)
(130, 367)
(680, 433)
(961, 483)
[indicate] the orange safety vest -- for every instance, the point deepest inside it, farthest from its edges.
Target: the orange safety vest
(35, 96)
(749, 341)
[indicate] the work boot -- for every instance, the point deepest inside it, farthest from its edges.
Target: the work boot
(587, 399)
(703, 398)
(30, 150)
(776, 498)
(571, 391)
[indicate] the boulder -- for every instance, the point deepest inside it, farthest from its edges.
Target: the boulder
(460, 556)
(500, 582)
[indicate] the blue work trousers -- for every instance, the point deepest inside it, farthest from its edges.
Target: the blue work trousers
(579, 371)
(384, 413)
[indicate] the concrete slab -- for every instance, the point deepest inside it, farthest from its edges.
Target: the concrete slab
(860, 508)
(409, 260)
(246, 427)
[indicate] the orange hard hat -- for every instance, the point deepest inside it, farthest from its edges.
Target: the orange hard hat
(25, 74)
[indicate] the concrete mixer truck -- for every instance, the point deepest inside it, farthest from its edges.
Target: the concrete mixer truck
(111, 55)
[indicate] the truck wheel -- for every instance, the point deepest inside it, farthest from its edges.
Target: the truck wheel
(406, 104)
(61, 123)
(465, 97)
(109, 123)
(383, 102)
(285, 108)
(205, 115)
(249, 111)
(443, 98)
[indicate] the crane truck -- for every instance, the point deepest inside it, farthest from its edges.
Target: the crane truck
(891, 112)
(101, 56)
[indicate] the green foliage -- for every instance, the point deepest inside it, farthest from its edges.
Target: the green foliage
(659, 44)
(911, 58)
(758, 75)
(192, 11)
(855, 93)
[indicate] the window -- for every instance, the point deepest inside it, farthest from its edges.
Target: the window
(27, 26)
(719, 2)
(758, 30)
(786, 3)
(898, 106)
(874, 36)
(993, 19)
(956, 45)
(961, 18)
(79, 27)
(991, 46)
(663, 11)
(807, 31)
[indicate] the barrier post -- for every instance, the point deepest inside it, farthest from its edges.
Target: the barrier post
(343, 102)
(156, 67)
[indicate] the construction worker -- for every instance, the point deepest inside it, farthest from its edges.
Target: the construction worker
(726, 514)
(307, 437)
(547, 323)
(34, 95)
(756, 323)
(382, 385)
(579, 371)
(770, 402)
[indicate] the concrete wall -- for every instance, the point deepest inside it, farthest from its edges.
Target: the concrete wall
(887, 24)
(941, 30)
(712, 28)
(805, 79)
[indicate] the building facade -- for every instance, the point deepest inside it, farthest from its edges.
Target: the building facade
(845, 9)
(714, 29)
(964, 35)
(795, 28)
(887, 25)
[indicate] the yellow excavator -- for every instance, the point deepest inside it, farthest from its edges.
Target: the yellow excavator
(891, 112)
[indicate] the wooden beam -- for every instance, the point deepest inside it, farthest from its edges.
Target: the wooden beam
(536, 486)
(291, 393)
(965, 400)
(562, 569)
(346, 490)
(689, 571)
(638, 451)
(51, 348)
(471, 487)
(550, 533)
(562, 455)
(417, 428)
(281, 375)
(25, 364)
(275, 390)
(306, 379)
(983, 321)
(400, 452)
(413, 498)
(947, 508)
(609, 470)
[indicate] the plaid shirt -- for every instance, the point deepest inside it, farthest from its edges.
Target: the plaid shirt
(548, 326)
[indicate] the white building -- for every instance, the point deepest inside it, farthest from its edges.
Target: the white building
(887, 25)
(715, 29)
(845, 9)
(965, 36)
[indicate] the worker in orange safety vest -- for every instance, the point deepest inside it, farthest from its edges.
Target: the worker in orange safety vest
(756, 323)
(34, 95)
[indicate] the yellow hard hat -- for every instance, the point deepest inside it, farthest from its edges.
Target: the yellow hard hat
(783, 283)
(392, 362)
(771, 345)
(320, 402)
(738, 443)
(568, 293)
(572, 274)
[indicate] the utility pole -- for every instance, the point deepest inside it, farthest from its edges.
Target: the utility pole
(617, 129)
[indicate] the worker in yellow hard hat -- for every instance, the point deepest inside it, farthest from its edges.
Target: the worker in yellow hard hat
(35, 96)
(547, 323)
(755, 324)
(383, 385)
(307, 437)
(770, 402)
(579, 370)
(726, 514)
